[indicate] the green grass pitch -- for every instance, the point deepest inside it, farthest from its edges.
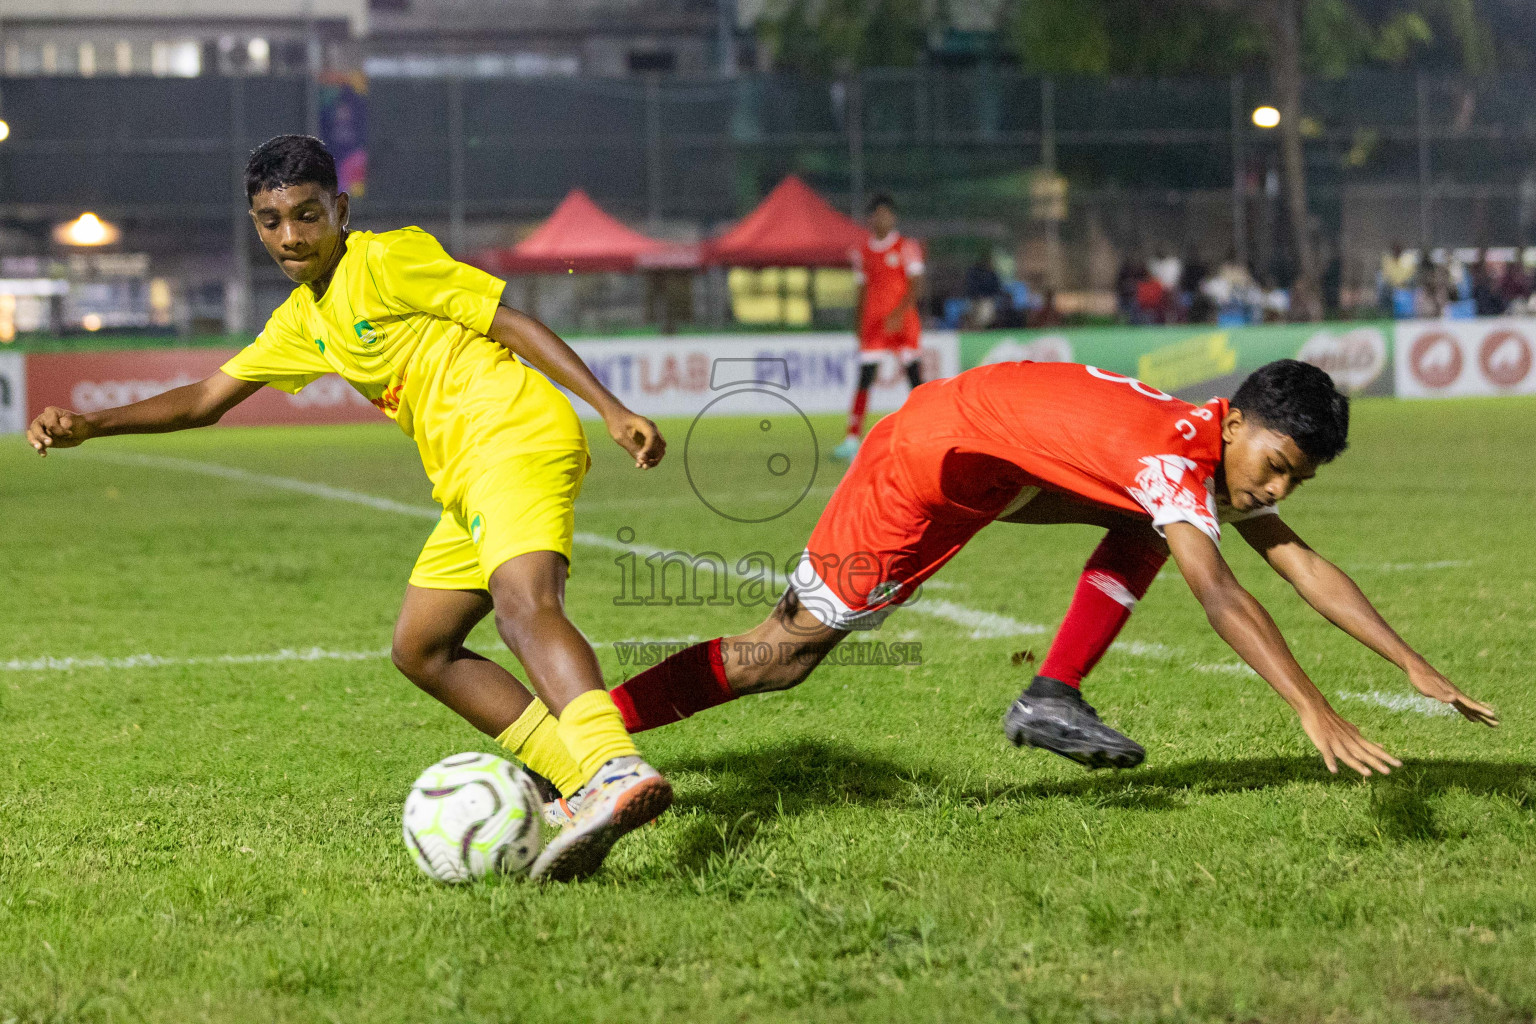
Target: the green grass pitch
(193, 838)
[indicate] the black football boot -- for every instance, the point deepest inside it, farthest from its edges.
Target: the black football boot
(1053, 716)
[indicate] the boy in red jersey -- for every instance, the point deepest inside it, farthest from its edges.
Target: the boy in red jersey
(1059, 443)
(889, 270)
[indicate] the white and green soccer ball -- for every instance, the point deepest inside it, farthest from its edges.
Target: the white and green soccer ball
(471, 815)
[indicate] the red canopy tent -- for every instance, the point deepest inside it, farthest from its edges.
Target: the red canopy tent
(579, 237)
(793, 227)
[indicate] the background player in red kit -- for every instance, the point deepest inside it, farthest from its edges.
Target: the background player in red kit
(889, 270)
(1058, 443)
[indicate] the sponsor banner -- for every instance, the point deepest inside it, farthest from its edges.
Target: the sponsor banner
(710, 374)
(1197, 361)
(91, 381)
(741, 374)
(1448, 358)
(344, 127)
(13, 393)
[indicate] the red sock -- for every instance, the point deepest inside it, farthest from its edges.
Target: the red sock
(1115, 578)
(856, 414)
(685, 684)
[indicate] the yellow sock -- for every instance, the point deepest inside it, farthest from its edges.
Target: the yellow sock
(593, 731)
(534, 740)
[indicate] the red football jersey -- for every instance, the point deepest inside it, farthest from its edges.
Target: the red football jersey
(1101, 436)
(885, 267)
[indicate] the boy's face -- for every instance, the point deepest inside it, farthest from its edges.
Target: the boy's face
(1260, 466)
(302, 228)
(882, 221)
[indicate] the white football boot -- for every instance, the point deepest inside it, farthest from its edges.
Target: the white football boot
(624, 794)
(559, 812)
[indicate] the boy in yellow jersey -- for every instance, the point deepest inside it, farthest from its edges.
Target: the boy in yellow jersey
(427, 341)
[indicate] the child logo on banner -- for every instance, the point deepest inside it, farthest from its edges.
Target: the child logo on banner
(344, 127)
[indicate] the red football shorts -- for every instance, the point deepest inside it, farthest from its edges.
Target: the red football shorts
(873, 337)
(889, 527)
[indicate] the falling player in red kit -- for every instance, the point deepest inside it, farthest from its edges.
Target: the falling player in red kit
(889, 270)
(1063, 443)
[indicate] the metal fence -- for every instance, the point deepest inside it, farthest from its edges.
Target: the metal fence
(1441, 161)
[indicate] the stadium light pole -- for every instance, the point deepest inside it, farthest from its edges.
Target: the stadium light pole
(1239, 184)
(1048, 165)
(854, 112)
(312, 58)
(237, 302)
(1421, 126)
(725, 30)
(653, 185)
(456, 240)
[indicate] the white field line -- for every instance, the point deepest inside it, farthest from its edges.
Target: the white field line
(70, 664)
(280, 483)
(981, 624)
(1413, 702)
(1450, 563)
(75, 663)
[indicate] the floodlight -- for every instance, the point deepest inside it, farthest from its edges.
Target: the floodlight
(86, 229)
(1266, 117)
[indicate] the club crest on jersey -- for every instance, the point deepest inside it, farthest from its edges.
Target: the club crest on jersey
(476, 527)
(366, 332)
(1169, 490)
(892, 258)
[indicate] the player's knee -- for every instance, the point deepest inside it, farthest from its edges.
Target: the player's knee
(419, 663)
(521, 619)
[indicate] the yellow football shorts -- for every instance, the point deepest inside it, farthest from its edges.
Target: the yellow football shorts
(526, 503)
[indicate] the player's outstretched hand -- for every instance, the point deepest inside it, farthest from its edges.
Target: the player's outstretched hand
(1339, 740)
(638, 436)
(57, 428)
(1432, 684)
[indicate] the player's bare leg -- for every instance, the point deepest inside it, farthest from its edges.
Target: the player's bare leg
(774, 655)
(1051, 713)
(621, 792)
(849, 446)
(429, 650)
(797, 642)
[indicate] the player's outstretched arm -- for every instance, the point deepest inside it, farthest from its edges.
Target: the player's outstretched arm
(1243, 623)
(194, 405)
(532, 341)
(1338, 599)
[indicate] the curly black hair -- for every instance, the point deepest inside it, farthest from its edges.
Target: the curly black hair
(1298, 400)
(289, 160)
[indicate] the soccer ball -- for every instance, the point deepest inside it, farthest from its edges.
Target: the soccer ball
(470, 815)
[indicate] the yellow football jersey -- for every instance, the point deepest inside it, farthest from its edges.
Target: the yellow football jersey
(405, 324)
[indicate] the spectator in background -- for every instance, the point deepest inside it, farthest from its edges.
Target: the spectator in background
(1398, 269)
(1126, 282)
(1486, 297)
(1151, 300)
(1515, 286)
(1197, 308)
(1046, 315)
(1168, 269)
(1274, 302)
(1233, 292)
(983, 291)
